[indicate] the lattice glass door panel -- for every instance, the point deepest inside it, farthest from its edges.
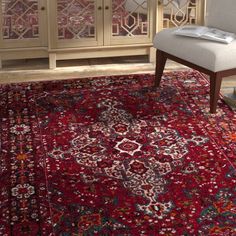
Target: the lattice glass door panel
(129, 21)
(21, 23)
(20, 19)
(129, 18)
(179, 12)
(76, 19)
(76, 23)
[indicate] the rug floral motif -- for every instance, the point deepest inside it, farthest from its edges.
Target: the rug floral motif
(115, 156)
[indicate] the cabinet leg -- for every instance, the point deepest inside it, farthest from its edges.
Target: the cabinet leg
(0, 62)
(152, 55)
(52, 60)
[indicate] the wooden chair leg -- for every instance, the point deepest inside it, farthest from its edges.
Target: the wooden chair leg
(160, 65)
(215, 84)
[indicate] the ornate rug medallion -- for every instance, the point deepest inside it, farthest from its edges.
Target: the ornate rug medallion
(114, 156)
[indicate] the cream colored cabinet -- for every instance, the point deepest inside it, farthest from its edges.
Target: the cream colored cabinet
(74, 29)
(100, 28)
(22, 29)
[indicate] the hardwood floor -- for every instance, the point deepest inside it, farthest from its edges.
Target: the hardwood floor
(37, 70)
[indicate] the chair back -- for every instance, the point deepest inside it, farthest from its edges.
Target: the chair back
(221, 14)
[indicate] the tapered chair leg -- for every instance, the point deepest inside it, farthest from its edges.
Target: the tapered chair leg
(160, 65)
(215, 84)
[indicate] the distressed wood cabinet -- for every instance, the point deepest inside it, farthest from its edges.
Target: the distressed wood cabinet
(73, 29)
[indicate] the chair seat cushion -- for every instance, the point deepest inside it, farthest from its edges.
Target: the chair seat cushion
(211, 55)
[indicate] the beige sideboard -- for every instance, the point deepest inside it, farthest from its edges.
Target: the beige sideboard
(74, 29)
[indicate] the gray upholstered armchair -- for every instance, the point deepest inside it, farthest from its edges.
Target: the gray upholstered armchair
(215, 59)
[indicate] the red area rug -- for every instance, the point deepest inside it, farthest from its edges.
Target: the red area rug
(113, 156)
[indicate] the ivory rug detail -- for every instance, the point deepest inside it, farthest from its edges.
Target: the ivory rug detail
(114, 156)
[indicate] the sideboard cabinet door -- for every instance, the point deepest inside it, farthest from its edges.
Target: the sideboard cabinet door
(128, 22)
(76, 23)
(178, 13)
(21, 23)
